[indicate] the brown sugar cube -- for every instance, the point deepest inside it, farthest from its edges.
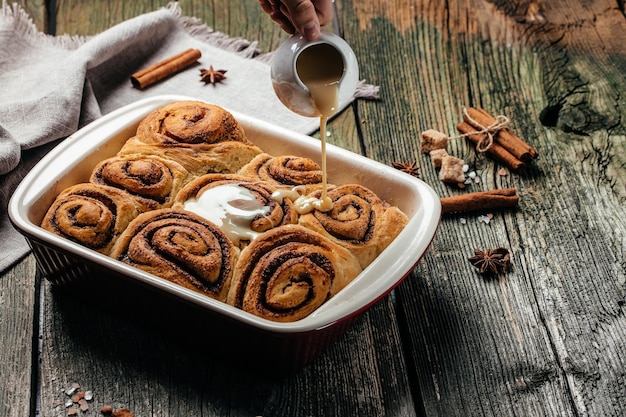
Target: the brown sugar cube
(433, 139)
(452, 170)
(437, 156)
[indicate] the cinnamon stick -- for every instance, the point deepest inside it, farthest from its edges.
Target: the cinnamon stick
(163, 69)
(496, 150)
(504, 137)
(480, 200)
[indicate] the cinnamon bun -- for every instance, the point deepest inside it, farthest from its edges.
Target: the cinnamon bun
(241, 206)
(181, 247)
(91, 215)
(359, 221)
(287, 171)
(201, 137)
(152, 180)
(288, 272)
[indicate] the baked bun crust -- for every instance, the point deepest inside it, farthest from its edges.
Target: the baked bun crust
(181, 247)
(91, 215)
(201, 137)
(288, 272)
(359, 221)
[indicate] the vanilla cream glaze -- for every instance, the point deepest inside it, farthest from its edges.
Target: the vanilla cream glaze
(303, 204)
(231, 207)
(323, 84)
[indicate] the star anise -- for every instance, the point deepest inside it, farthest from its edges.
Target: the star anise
(212, 76)
(407, 167)
(491, 261)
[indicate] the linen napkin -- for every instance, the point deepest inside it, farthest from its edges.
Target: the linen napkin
(52, 86)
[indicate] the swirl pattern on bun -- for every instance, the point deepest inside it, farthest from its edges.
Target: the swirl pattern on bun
(181, 247)
(285, 171)
(151, 180)
(288, 272)
(359, 221)
(91, 215)
(189, 123)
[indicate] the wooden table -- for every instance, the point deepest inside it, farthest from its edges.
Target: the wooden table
(547, 338)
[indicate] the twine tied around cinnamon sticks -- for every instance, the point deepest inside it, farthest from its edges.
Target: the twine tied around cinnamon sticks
(484, 144)
(492, 136)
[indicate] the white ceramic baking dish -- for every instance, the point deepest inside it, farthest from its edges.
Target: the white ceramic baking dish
(64, 262)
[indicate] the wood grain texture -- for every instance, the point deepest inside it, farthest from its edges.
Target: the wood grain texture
(547, 338)
(241, 18)
(18, 309)
(151, 358)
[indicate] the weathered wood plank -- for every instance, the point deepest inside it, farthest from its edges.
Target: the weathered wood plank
(18, 302)
(241, 18)
(583, 57)
(548, 338)
(108, 344)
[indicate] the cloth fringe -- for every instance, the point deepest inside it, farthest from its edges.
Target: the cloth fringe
(367, 91)
(23, 24)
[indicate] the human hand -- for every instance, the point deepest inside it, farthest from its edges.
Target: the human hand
(302, 16)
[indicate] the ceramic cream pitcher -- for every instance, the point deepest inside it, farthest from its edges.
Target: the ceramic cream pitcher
(298, 58)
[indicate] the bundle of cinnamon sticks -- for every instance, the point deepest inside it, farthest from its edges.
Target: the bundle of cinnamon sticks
(507, 148)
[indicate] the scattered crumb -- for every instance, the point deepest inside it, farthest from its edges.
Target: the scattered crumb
(82, 403)
(78, 399)
(502, 172)
(78, 396)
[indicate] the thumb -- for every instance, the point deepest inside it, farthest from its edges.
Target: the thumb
(304, 18)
